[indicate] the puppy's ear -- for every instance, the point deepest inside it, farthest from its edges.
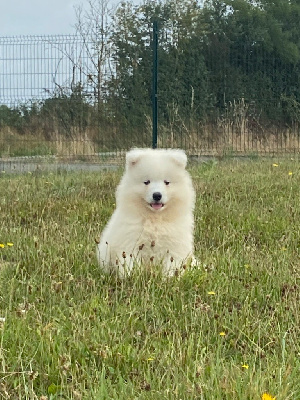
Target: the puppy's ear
(133, 156)
(179, 157)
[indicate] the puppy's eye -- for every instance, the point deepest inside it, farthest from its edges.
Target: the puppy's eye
(166, 182)
(147, 182)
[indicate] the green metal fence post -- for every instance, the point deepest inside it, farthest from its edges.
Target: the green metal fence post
(154, 84)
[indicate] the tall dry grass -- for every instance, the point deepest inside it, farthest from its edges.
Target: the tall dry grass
(238, 130)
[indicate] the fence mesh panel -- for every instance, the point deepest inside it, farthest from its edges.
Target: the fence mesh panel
(52, 91)
(66, 96)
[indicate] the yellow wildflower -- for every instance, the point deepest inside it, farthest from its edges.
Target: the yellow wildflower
(222, 333)
(245, 366)
(2, 246)
(9, 244)
(275, 165)
(150, 359)
(267, 396)
(211, 293)
(290, 173)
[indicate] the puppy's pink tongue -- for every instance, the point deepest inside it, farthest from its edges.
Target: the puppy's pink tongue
(156, 206)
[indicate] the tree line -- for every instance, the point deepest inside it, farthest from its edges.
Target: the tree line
(219, 60)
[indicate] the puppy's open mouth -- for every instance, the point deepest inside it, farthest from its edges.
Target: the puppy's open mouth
(156, 206)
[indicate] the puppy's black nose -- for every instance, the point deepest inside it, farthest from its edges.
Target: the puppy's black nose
(156, 196)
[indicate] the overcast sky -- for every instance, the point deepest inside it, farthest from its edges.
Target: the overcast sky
(38, 17)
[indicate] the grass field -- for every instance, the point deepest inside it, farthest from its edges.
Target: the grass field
(227, 330)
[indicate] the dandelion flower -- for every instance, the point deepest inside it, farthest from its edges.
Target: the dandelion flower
(275, 165)
(9, 244)
(290, 173)
(245, 366)
(150, 359)
(267, 396)
(222, 333)
(2, 246)
(211, 293)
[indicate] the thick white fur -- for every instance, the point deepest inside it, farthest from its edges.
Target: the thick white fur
(137, 234)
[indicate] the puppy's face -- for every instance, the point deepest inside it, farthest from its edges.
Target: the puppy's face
(154, 179)
(156, 193)
(149, 187)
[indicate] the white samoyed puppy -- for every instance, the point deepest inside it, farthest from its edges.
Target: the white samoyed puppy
(153, 222)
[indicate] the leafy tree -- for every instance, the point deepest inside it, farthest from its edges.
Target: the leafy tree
(178, 60)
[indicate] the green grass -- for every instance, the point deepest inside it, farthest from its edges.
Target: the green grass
(72, 333)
